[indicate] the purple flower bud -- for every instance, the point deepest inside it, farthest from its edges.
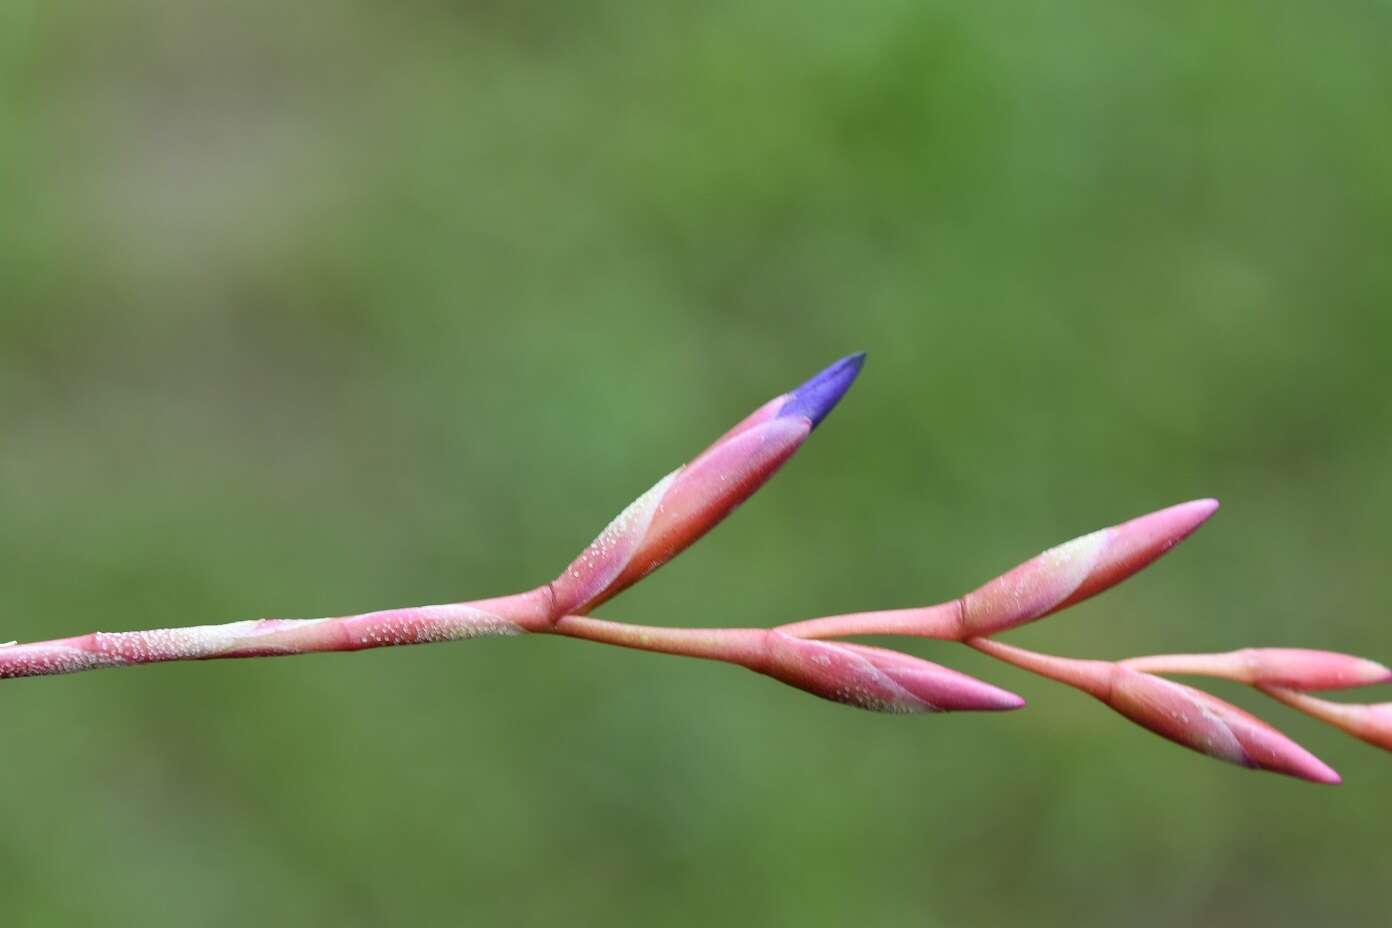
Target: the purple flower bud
(818, 396)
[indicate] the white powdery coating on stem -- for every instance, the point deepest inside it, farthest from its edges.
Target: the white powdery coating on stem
(44, 660)
(117, 649)
(418, 625)
(428, 624)
(169, 644)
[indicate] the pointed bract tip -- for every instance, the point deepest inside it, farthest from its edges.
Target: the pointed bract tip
(1328, 776)
(818, 396)
(1010, 701)
(1202, 508)
(1172, 524)
(947, 689)
(877, 679)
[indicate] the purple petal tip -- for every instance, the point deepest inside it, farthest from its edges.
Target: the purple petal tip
(818, 396)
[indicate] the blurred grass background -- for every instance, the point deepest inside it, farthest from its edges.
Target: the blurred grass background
(320, 309)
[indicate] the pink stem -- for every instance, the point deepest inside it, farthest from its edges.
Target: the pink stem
(1293, 668)
(743, 646)
(510, 615)
(1092, 677)
(943, 621)
(1334, 713)
(1367, 722)
(1229, 666)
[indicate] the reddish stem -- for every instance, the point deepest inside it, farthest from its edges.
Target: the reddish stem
(1092, 677)
(943, 622)
(743, 646)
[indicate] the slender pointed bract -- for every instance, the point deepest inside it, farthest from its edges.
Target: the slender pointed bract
(1078, 569)
(691, 500)
(1211, 726)
(876, 679)
(1295, 668)
(1180, 713)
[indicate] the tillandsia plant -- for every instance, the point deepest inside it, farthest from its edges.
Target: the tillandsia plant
(692, 499)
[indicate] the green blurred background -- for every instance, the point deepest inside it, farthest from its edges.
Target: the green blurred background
(317, 309)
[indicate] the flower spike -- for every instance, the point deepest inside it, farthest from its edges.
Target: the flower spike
(690, 501)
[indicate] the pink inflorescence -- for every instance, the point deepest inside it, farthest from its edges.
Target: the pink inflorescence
(694, 498)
